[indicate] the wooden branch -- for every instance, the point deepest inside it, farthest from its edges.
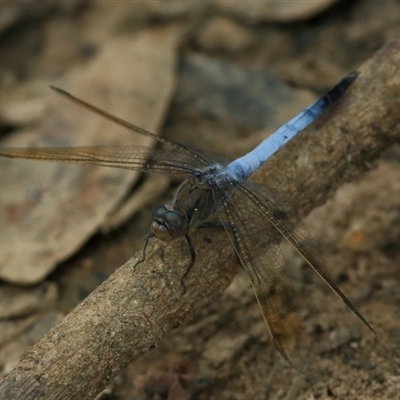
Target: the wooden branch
(133, 310)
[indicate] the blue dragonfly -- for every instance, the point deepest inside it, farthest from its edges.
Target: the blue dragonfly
(250, 213)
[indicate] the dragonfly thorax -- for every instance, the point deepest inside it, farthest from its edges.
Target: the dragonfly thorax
(168, 224)
(210, 177)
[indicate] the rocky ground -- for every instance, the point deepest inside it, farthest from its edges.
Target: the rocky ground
(220, 75)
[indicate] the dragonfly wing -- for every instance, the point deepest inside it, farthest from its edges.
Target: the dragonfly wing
(126, 157)
(282, 216)
(178, 147)
(262, 259)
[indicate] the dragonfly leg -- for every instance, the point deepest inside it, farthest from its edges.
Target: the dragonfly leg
(146, 242)
(192, 260)
(192, 257)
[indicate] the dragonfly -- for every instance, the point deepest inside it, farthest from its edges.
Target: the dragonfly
(250, 213)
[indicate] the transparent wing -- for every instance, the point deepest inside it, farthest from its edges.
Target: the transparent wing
(261, 257)
(280, 214)
(119, 121)
(180, 160)
(127, 157)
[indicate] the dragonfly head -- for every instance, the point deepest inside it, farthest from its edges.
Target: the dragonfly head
(168, 224)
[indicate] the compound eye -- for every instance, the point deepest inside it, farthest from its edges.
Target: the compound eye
(159, 211)
(173, 219)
